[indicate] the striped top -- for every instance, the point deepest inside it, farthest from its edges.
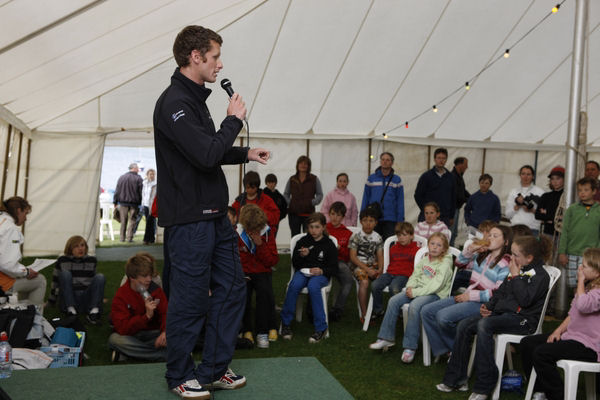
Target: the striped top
(82, 269)
(484, 279)
(426, 230)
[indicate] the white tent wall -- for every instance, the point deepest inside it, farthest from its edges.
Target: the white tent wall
(64, 182)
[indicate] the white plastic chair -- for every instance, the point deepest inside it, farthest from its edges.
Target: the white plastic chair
(106, 220)
(426, 347)
(421, 240)
(324, 290)
(504, 340)
(572, 369)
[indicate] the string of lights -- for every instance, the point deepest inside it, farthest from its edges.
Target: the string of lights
(467, 85)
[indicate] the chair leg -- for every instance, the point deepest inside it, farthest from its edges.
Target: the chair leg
(324, 296)
(368, 314)
(571, 379)
(531, 384)
(472, 357)
(405, 316)
(426, 348)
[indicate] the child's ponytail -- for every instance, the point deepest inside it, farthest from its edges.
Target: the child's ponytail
(539, 248)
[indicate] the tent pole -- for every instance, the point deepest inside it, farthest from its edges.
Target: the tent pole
(240, 176)
(483, 161)
(369, 157)
(577, 64)
(18, 163)
(5, 171)
(26, 181)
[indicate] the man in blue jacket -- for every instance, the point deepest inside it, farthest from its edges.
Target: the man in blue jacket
(437, 185)
(385, 188)
(206, 280)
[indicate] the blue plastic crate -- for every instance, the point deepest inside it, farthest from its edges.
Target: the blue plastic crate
(63, 356)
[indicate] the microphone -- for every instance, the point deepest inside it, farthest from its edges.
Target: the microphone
(226, 85)
(144, 292)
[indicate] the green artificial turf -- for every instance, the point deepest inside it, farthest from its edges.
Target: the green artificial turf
(366, 374)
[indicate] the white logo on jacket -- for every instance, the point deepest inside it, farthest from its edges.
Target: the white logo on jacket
(177, 115)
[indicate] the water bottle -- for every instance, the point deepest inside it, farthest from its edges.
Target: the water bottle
(5, 357)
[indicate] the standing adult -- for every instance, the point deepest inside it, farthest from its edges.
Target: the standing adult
(341, 193)
(438, 185)
(148, 195)
(460, 166)
(206, 280)
(385, 188)
(302, 192)
(128, 197)
(592, 170)
(522, 201)
(549, 201)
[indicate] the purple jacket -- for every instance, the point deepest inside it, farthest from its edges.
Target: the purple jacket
(584, 325)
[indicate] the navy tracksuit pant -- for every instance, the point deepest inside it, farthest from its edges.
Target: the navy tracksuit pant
(203, 255)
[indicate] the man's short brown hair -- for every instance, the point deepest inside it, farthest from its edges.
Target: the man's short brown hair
(142, 264)
(193, 37)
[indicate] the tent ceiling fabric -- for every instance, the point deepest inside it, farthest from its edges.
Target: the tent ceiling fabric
(329, 68)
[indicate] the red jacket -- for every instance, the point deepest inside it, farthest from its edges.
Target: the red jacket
(264, 202)
(263, 258)
(128, 312)
(402, 259)
(342, 234)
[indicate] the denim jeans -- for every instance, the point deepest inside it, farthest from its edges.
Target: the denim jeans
(314, 285)
(413, 325)
(140, 345)
(346, 280)
(396, 284)
(485, 365)
(440, 319)
(82, 300)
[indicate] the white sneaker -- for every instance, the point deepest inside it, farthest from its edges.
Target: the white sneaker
(262, 341)
(191, 390)
(408, 356)
(539, 396)
(442, 387)
(228, 381)
(478, 396)
(381, 344)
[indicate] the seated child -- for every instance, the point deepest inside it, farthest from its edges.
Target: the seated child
(139, 313)
(463, 275)
(316, 252)
(577, 338)
(515, 308)
(489, 263)
(253, 195)
(75, 281)
(258, 253)
(483, 204)
(402, 262)
(276, 196)
(430, 281)
(366, 255)
(335, 228)
(432, 222)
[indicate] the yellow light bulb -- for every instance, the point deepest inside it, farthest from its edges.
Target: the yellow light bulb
(555, 8)
(507, 53)
(467, 86)
(371, 156)
(435, 109)
(385, 136)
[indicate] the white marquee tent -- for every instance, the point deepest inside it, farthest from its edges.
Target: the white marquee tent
(323, 77)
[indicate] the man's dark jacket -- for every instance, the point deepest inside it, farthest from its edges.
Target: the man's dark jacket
(129, 190)
(190, 152)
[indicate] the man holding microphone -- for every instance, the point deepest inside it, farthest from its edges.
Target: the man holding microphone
(192, 206)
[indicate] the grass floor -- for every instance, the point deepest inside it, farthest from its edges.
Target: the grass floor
(366, 374)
